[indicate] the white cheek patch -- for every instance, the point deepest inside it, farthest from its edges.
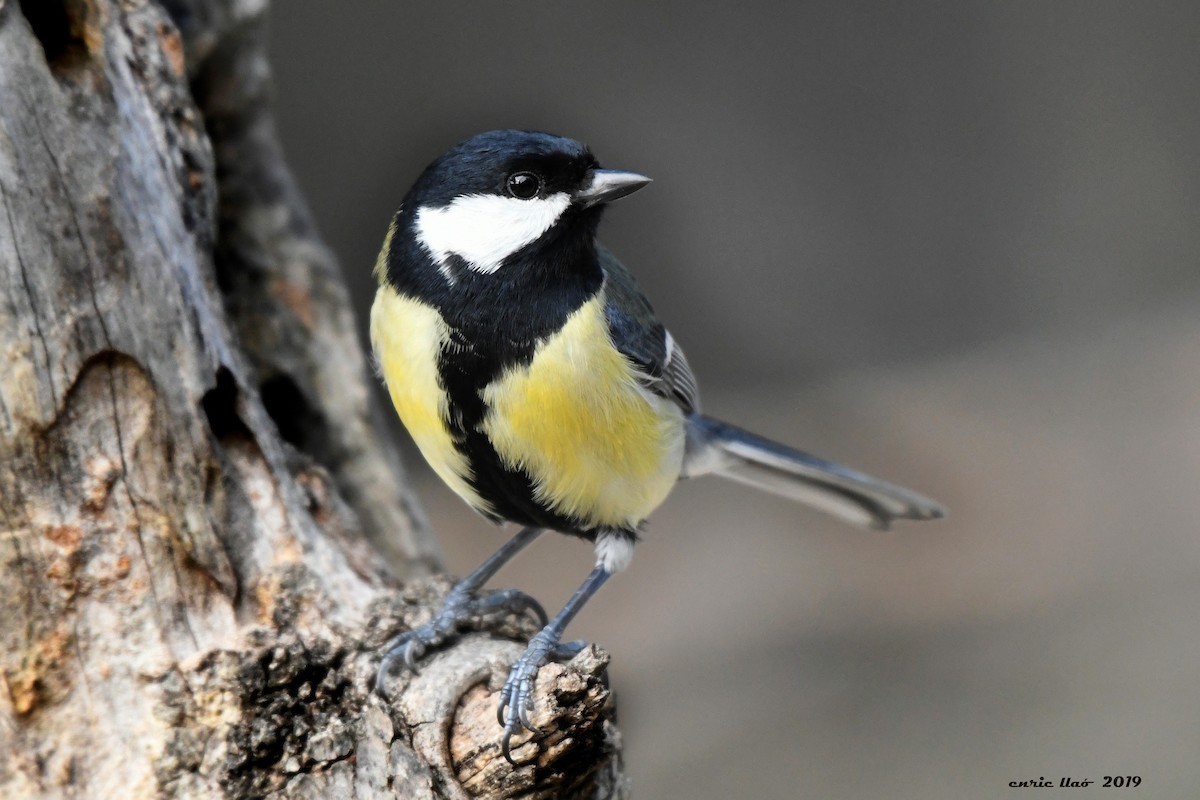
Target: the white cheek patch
(485, 229)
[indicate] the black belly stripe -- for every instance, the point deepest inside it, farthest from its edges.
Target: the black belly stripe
(510, 492)
(496, 322)
(473, 358)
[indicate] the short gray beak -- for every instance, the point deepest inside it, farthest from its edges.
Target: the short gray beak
(607, 185)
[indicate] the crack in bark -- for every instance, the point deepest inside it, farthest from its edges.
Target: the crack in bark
(100, 318)
(83, 667)
(37, 317)
(135, 509)
(107, 337)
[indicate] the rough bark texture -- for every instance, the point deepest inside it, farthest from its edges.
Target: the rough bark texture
(202, 537)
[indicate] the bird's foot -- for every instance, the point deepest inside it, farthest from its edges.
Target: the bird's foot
(460, 607)
(516, 698)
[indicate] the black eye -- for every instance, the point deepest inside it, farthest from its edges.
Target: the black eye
(524, 185)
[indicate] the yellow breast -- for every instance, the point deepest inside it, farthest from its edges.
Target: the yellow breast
(597, 445)
(407, 336)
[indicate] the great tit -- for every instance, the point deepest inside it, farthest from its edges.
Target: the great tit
(537, 382)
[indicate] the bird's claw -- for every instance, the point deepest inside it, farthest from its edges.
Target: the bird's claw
(460, 607)
(512, 601)
(516, 698)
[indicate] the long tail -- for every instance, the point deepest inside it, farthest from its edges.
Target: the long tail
(716, 447)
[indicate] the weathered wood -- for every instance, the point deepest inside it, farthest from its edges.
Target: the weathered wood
(201, 531)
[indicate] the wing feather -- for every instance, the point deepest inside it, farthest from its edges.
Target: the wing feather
(639, 335)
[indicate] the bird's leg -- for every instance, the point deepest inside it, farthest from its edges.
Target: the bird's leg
(460, 605)
(516, 698)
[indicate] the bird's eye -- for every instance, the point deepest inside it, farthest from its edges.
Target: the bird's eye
(524, 185)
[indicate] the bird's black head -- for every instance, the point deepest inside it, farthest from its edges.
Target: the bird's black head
(496, 163)
(519, 206)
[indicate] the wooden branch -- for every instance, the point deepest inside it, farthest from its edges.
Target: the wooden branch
(200, 529)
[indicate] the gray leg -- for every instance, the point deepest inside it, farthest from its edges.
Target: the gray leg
(484, 572)
(516, 698)
(461, 605)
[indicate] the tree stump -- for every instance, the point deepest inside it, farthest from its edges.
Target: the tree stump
(203, 538)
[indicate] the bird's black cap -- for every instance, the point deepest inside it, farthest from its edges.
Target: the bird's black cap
(481, 164)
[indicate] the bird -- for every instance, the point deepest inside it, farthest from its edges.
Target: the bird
(536, 380)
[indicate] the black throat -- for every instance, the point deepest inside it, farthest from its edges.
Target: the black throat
(501, 316)
(496, 322)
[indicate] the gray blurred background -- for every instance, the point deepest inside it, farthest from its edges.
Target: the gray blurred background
(954, 244)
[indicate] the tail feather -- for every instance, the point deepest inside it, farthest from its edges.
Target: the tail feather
(722, 449)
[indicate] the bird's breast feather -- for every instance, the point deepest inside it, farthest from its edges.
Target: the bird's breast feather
(596, 443)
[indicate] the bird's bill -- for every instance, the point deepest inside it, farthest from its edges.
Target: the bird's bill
(607, 185)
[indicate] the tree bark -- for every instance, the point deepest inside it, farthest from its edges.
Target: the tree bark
(203, 539)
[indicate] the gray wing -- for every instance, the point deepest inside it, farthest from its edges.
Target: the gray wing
(639, 335)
